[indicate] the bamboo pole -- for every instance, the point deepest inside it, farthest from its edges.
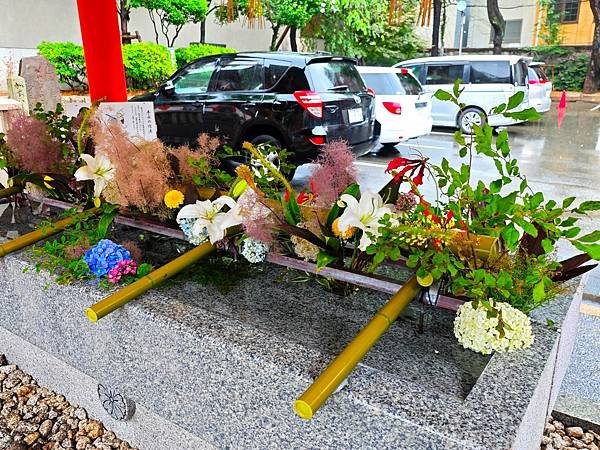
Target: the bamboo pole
(339, 369)
(42, 233)
(144, 284)
(4, 193)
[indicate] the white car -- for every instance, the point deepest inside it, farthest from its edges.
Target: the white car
(402, 108)
(487, 81)
(540, 87)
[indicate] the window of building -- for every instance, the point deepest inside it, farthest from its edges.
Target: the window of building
(512, 32)
(568, 9)
(445, 74)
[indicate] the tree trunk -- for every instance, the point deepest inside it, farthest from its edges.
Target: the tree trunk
(203, 32)
(592, 79)
(435, 34)
(293, 40)
(124, 16)
(498, 24)
(275, 29)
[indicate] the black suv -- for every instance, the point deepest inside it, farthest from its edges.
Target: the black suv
(293, 100)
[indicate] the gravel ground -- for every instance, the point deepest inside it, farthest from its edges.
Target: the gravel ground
(33, 417)
(557, 436)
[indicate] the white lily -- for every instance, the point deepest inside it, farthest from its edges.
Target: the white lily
(209, 218)
(363, 214)
(4, 178)
(99, 169)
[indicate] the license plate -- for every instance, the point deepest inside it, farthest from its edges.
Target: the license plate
(420, 105)
(355, 115)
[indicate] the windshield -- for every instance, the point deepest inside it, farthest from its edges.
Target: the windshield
(335, 76)
(392, 83)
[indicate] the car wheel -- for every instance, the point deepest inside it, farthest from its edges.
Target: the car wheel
(268, 139)
(469, 117)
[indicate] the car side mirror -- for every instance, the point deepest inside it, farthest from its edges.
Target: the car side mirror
(168, 88)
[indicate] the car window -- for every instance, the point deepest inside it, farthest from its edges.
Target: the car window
(293, 80)
(490, 72)
(195, 79)
(240, 75)
(445, 74)
(388, 83)
(533, 76)
(540, 73)
(520, 69)
(335, 74)
(274, 71)
(416, 70)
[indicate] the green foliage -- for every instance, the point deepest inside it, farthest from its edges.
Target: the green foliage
(550, 32)
(67, 59)
(360, 28)
(146, 64)
(186, 55)
(169, 16)
(566, 68)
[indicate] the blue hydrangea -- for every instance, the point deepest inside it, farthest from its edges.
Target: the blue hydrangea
(105, 255)
(186, 225)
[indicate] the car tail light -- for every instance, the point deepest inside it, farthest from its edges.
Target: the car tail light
(533, 82)
(371, 91)
(311, 101)
(404, 71)
(544, 81)
(393, 107)
(317, 140)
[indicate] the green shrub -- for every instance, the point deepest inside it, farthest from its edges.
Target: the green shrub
(188, 54)
(67, 59)
(566, 68)
(146, 64)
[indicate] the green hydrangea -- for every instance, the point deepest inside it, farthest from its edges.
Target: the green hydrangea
(478, 330)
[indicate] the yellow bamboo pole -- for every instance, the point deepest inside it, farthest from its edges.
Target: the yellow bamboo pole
(144, 284)
(339, 369)
(42, 233)
(4, 193)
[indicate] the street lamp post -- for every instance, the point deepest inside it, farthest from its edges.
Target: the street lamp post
(461, 6)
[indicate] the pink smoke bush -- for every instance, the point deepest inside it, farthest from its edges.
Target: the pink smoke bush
(257, 219)
(32, 146)
(335, 172)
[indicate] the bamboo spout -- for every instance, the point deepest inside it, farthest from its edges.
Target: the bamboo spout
(144, 284)
(43, 233)
(5, 193)
(314, 397)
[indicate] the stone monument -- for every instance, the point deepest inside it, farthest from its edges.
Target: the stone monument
(41, 82)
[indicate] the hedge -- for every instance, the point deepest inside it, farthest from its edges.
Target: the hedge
(188, 54)
(146, 64)
(566, 68)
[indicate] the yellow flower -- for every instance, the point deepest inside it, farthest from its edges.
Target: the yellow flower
(48, 178)
(346, 234)
(174, 199)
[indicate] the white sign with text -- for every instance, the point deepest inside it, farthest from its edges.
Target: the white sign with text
(136, 117)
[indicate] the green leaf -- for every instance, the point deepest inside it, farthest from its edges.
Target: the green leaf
(442, 95)
(547, 245)
(592, 205)
(528, 227)
(515, 100)
(495, 186)
(324, 259)
(395, 254)
(594, 236)
(459, 138)
(571, 232)
(539, 292)
(144, 269)
(104, 223)
(456, 88)
(510, 236)
(591, 249)
(536, 200)
(568, 202)
(529, 114)
(462, 152)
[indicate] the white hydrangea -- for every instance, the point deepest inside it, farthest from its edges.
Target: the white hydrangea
(478, 332)
(254, 251)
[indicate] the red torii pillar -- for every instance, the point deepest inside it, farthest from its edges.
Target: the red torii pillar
(101, 38)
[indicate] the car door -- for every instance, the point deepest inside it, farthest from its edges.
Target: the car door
(234, 97)
(179, 105)
(442, 76)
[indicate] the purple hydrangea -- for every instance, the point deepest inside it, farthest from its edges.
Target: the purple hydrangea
(105, 255)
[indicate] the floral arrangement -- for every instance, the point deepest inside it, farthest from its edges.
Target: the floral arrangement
(491, 245)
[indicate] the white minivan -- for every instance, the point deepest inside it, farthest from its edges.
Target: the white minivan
(488, 81)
